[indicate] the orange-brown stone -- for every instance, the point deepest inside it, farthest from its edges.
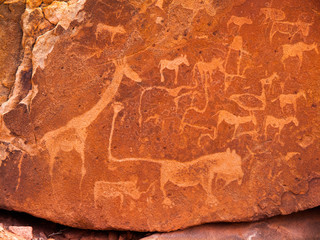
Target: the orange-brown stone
(159, 115)
(10, 47)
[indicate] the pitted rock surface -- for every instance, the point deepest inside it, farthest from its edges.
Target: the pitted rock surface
(11, 36)
(159, 115)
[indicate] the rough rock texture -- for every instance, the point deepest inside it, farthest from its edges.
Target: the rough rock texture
(303, 225)
(10, 47)
(7, 235)
(14, 224)
(159, 115)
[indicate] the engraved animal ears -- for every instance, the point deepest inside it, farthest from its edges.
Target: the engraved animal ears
(303, 94)
(184, 56)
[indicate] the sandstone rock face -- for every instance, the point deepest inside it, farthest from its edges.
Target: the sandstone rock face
(302, 225)
(159, 115)
(11, 36)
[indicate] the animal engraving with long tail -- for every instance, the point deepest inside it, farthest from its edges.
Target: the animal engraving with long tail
(224, 165)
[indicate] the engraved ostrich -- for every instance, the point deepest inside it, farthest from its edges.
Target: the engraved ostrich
(241, 99)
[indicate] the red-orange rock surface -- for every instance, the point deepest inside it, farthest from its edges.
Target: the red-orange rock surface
(302, 225)
(158, 115)
(10, 47)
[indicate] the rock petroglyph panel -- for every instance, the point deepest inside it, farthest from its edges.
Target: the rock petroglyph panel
(277, 17)
(159, 115)
(222, 165)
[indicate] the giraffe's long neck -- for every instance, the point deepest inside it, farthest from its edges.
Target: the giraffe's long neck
(88, 117)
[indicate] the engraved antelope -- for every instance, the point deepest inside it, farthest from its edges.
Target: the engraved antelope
(286, 99)
(232, 119)
(173, 65)
(279, 123)
(290, 28)
(277, 16)
(209, 67)
(113, 30)
(269, 80)
(297, 50)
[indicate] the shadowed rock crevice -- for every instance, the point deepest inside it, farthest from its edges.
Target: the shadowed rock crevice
(301, 225)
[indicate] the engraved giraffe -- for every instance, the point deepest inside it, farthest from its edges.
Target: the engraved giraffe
(74, 134)
(297, 50)
(279, 123)
(203, 170)
(113, 30)
(232, 119)
(286, 99)
(173, 65)
(239, 21)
